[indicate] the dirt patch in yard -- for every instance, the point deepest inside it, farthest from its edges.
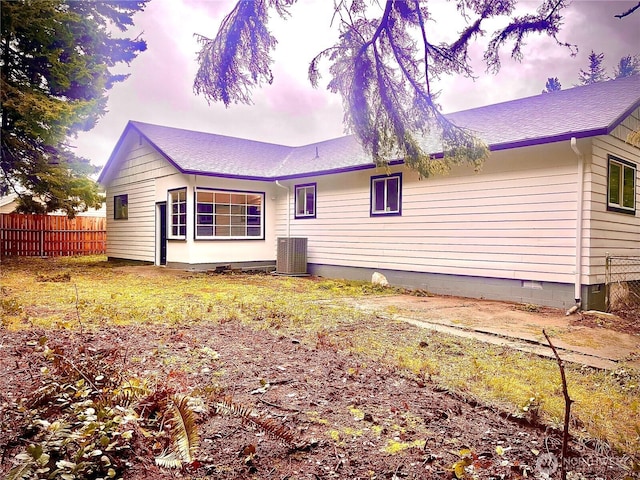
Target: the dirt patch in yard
(350, 417)
(609, 337)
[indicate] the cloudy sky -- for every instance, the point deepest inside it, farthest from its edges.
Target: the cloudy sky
(291, 112)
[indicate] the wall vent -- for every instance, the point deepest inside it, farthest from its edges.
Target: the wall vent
(292, 256)
(532, 284)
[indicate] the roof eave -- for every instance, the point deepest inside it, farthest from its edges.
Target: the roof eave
(528, 142)
(332, 171)
(622, 116)
(232, 176)
(114, 153)
(531, 142)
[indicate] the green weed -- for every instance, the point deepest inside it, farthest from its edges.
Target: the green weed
(606, 406)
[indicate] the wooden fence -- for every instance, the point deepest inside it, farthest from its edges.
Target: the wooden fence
(29, 235)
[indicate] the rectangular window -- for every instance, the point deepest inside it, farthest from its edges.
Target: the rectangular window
(177, 213)
(621, 186)
(386, 194)
(305, 201)
(121, 207)
(223, 214)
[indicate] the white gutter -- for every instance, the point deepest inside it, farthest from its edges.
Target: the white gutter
(288, 207)
(579, 215)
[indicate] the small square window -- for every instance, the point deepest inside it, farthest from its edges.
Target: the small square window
(386, 195)
(305, 201)
(121, 207)
(621, 186)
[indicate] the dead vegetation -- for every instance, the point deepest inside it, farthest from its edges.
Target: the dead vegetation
(258, 377)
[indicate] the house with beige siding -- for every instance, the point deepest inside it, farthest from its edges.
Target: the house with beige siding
(9, 203)
(558, 193)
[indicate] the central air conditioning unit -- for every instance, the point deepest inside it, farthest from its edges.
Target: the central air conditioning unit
(292, 256)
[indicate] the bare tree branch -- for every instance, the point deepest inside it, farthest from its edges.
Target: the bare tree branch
(567, 410)
(628, 12)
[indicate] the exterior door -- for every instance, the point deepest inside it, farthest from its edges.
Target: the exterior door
(162, 233)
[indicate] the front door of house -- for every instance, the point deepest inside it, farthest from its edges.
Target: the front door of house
(162, 233)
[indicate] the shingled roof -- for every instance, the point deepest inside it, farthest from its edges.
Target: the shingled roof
(579, 112)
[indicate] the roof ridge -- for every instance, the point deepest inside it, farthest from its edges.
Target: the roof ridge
(202, 132)
(564, 92)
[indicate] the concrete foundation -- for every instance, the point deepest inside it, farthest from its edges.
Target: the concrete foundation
(558, 295)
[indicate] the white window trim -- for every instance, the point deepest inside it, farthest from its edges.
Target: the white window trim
(623, 164)
(170, 223)
(306, 213)
(385, 179)
(229, 237)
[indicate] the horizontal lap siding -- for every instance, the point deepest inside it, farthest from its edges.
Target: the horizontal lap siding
(612, 232)
(515, 219)
(140, 165)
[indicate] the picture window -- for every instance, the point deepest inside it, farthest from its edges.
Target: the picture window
(223, 214)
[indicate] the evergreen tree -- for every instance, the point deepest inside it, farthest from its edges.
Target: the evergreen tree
(55, 73)
(552, 85)
(627, 66)
(382, 66)
(596, 72)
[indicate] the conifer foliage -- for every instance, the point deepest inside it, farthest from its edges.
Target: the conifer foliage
(596, 72)
(382, 66)
(627, 66)
(56, 65)
(552, 85)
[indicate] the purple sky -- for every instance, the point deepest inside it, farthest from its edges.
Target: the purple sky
(290, 111)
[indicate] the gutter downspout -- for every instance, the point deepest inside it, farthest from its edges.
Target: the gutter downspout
(579, 216)
(288, 207)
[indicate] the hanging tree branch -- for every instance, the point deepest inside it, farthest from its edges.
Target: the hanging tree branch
(382, 66)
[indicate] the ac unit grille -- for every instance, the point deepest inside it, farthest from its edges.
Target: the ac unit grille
(292, 256)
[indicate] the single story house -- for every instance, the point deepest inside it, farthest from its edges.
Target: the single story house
(558, 193)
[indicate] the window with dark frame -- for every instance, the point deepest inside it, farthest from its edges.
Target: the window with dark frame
(121, 207)
(621, 186)
(177, 213)
(305, 201)
(386, 195)
(224, 214)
